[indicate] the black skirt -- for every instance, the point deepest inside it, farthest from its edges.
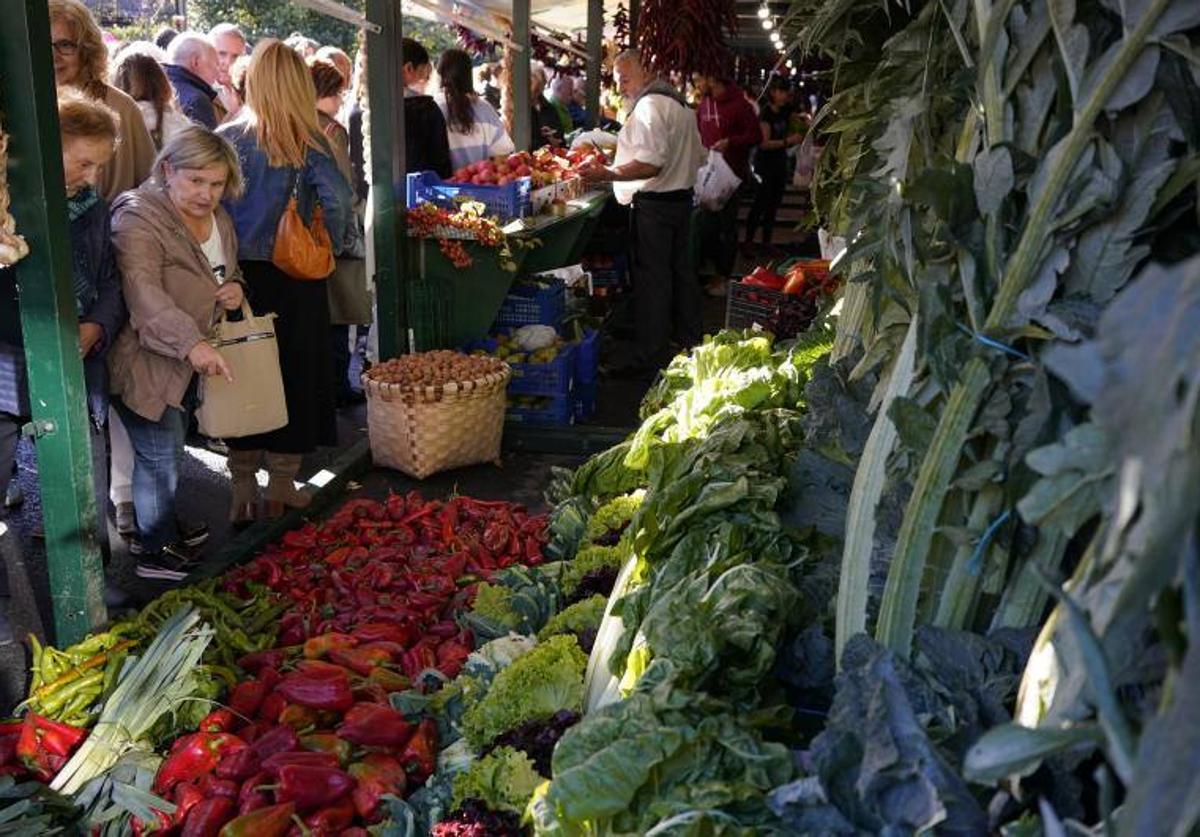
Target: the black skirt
(302, 330)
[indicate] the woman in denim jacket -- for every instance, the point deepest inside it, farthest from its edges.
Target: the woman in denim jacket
(282, 150)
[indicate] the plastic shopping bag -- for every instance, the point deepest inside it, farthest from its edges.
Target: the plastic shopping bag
(715, 183)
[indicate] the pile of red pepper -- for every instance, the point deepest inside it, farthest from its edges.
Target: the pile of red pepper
(37, 746)
(309, 743)
(800, 277)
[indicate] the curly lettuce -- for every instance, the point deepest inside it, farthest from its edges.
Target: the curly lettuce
(579, 617)
(533, 687)
(614, 514)
(505, 779)
(589, 560)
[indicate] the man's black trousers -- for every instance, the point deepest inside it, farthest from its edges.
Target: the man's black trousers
(666, 298)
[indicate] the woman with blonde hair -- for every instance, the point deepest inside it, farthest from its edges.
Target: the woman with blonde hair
(138, 72)
(177, 250)
(283, 153)
(81, 61)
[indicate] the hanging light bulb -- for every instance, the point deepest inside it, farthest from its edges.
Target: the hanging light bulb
(767, 24)
(790, 64)
(763, 13)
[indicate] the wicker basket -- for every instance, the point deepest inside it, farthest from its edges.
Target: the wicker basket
(431, 429)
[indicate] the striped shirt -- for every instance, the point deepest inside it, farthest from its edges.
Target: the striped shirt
(487, 137)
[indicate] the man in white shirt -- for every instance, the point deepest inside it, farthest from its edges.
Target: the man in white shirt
(658, 153)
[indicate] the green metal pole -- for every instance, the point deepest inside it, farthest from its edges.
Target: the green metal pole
(595, 48)
(49, 324)
(635, 11)
(385, 89)
(521, 107)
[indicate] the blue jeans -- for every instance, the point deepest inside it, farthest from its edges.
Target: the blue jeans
(157, 460)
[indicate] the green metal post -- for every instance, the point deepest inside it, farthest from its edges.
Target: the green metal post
(49, 324)
(521, 108)
(385, 88)
(635, 11)
(595, 51)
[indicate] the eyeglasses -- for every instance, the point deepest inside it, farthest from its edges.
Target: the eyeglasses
(65, 48)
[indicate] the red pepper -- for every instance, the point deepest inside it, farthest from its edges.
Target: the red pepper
(251, 797)
(273, 821)
(247, 697)
(328, 742)
(298, 717)
(262, 659)
(368, 692)
(43, 734)
(272, 707)
(251, 732)
(312, 787)
(219, 720)
(307, 758)
(419, 757)
(332, 819)
(418, 658)
(451, 657)
(368, 632)
(319, 646)
(187, 796)
(161, 822)
(372, 725)
(356, 831)
(211, 786)
(317, 691)
(208, 817)
(239, 765)
(360, 660)
(198, 755)
(377, 774)
(278, 739)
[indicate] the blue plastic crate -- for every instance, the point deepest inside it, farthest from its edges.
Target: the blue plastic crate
(585, 401)
(508, 201)
(555, 379)
(555, 412)
(587, 358)
(529, 303)
(613, 276)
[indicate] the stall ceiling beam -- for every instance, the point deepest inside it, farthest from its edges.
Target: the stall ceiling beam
(389, 190)
(520, 83)
(337, 11)
(50, 326)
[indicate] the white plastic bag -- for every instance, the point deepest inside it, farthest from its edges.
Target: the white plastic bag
(715, 182)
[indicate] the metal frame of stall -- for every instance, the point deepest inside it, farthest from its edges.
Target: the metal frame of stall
(59, 423)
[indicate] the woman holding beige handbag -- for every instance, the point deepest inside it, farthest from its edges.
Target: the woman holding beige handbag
(177, 252)
(292, 220)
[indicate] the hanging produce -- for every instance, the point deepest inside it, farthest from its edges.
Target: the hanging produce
(687, 37)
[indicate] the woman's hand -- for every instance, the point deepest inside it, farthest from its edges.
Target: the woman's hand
(230, 296)
(89, 335)
(208, 361)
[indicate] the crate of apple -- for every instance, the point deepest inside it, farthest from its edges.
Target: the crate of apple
(497, 171)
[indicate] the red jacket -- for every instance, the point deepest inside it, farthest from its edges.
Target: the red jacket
(730, 117)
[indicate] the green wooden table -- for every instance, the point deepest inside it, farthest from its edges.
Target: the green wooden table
(450, 306)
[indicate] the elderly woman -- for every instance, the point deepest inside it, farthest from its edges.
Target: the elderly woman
(89, 132)
(177, 250)
(81, 61)
(284, 153)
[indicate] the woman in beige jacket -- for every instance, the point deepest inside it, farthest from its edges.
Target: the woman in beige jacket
(177, 251)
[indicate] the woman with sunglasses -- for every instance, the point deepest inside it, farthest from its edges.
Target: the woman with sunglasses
(81, 61)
